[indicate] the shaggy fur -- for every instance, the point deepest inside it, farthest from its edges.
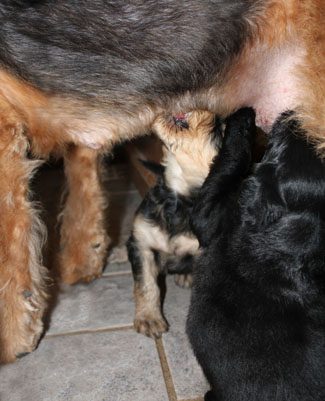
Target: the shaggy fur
(257, 315)
(83, 237)
(161, 238)
(94, 73)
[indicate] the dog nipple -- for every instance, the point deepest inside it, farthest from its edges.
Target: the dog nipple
(181, 121)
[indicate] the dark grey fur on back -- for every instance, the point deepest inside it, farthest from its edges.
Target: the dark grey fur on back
(119, 50)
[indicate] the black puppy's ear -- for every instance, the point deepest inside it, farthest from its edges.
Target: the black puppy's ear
(241, 123)
(156, 168)
(285, 125)
(243, 119)
(217, 132)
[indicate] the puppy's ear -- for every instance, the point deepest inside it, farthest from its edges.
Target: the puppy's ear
(217, 132)
(156, 168)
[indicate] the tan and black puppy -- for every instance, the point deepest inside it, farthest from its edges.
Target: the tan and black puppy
(161, 240)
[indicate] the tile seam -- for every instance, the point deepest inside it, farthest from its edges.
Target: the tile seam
(192, 399)
(116, 274)
(170, 387)
(88, 331)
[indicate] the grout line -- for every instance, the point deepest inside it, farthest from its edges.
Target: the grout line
(114, 274)
(194, 399)
(166, 371)
(89, 331)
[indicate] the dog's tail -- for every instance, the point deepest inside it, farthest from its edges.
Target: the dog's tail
(156, 168)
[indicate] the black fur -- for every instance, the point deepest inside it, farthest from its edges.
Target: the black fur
(170, 211)
(122, 52)
(167, 210)
(257, 316)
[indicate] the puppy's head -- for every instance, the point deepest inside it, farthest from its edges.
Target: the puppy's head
(191, 142)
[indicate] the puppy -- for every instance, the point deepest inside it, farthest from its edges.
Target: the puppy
(161, 238)
(257, 316)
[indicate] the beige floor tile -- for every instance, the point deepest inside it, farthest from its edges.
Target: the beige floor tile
(104, 303)
(187, 375)
(120, 366)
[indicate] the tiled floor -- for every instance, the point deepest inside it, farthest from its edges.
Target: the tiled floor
(90, 351)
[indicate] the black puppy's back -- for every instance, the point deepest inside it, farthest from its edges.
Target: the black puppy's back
(257, 316)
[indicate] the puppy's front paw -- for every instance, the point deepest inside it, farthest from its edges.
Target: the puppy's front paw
(151, 325)
(184, 280)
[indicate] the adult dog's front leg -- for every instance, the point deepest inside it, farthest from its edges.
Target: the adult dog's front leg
(22, 294)
(225, 175)
(83, 238)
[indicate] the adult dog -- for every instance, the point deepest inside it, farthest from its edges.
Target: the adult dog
(78, 76)
(257, 315)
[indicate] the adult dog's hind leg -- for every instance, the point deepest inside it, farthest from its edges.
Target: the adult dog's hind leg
(22, 290)
(83, 238)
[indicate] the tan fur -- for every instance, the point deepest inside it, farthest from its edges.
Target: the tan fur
(185, 149)
(83, 239)
(53, 123)
(310, 23)
(148, 316)
(152, 237)
(184, 280)
(187, 156)
(22, 294)
(282, 25)
(303, 22)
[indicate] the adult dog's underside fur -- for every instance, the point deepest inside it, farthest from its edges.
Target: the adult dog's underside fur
(77, 77)
(98, 72)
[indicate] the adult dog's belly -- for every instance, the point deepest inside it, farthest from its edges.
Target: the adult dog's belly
(267, 80)
(108, 83)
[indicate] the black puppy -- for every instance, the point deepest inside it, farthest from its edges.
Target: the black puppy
(257, 315)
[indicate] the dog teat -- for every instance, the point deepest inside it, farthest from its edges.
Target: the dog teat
(181, 120)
